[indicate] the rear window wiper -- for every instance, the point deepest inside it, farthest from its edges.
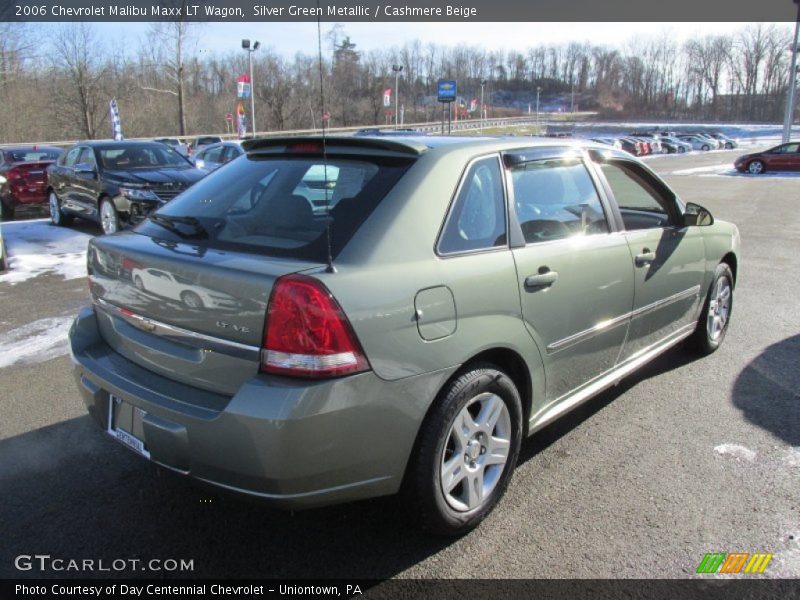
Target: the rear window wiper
(171, 223)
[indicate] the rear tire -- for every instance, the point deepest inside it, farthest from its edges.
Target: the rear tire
(466, 451)
(8, 211)
(192, 300)
(57, 216)
(715, 317)
(705, 148)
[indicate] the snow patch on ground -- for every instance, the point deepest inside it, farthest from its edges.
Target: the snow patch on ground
(35, 342)
(706, 169)
(792, 457)
(35, 247)
(736, 451)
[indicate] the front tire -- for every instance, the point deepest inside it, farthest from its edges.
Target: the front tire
(756, 167)
(715, 318)
(109, 218)
(705, 148)
(466, 452)
(192, 300)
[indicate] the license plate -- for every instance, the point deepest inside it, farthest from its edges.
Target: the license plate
(124, 421)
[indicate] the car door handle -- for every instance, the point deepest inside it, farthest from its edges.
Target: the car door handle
(645, 258)
(542, 279)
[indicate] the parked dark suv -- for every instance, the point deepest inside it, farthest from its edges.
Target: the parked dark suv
(116, 183)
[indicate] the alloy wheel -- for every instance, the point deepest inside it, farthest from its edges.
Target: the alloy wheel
(55, 209)
(719, 309)
(476, 452)
(108, 218)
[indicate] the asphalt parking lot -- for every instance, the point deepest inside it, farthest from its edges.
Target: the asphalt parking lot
(686, 457)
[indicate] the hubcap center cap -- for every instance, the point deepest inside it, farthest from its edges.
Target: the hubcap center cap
(473, 449)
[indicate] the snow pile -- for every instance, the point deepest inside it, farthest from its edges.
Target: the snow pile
(35, 247)
(35, 342)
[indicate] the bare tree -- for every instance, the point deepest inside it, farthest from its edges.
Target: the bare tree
(78, 75)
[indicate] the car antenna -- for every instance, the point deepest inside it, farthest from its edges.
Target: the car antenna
(330, 268)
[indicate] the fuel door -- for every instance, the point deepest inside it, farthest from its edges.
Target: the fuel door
(435, 313)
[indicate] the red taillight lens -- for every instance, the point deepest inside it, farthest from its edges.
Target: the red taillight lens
(307, 334)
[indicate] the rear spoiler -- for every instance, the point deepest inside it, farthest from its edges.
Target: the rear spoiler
(335, 144)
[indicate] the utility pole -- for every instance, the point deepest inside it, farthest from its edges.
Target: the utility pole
(396, 69)
(538, 92)
(246, 46)
(483, 110)
(790, 96)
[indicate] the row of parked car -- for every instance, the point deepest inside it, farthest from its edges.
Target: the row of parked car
(117, 184)
(643, 143)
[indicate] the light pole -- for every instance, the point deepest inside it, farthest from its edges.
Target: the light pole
(250, 50)
(396, 69)
(789, 116)
(483, 83)
(538, 91)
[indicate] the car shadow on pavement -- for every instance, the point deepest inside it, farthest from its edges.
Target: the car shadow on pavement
(767, 391)
(69, 491)
(542, 439)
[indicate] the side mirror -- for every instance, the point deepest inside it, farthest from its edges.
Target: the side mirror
(696, 215)
(200, 163)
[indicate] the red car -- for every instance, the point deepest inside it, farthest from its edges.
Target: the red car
(785, 157)
(23, 177)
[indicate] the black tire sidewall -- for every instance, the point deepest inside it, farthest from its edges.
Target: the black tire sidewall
(436, 514)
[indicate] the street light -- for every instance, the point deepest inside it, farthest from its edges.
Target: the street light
(483, 83)
(538, 91)
(246, 46)
(789, 116)
(396, 69)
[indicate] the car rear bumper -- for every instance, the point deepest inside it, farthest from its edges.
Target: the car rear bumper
(296, 443)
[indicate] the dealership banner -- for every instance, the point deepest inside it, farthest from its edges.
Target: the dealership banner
(408, 10)
(116, 124)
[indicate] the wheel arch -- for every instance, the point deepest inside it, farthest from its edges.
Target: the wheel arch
(733, 262)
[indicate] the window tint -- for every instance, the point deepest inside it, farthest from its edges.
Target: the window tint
(556, 199)
(231, 152)
(478, 217)
(213, 154)
(31, 155)
(641, 205)
(72, 156)
(266, 204)
(87, 157)
(140, 156)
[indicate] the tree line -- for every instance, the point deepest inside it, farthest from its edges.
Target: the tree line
(59, 88)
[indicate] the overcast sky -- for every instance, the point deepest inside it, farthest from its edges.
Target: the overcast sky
(290, 38)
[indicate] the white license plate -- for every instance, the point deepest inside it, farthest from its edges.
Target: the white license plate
(116, 406)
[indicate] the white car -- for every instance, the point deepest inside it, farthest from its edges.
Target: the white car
(698, 143)
(167, 285)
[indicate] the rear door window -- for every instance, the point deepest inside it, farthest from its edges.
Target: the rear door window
(279, 205)
(556, 199)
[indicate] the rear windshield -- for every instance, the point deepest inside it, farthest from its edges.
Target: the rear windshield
(277, 205)
(202, 141)
(33, 155)
(140, 156)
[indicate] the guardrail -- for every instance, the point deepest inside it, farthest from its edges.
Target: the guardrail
(425, 127)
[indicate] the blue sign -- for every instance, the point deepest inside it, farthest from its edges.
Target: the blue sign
(447, 91)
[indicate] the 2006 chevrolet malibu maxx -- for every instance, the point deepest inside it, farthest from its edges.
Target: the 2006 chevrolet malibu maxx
(451, 296)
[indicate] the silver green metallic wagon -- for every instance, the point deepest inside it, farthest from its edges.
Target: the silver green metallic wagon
(449, 297)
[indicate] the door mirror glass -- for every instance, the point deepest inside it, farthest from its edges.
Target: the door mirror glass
(697, 215)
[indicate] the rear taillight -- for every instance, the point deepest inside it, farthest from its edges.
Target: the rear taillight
(306, 334)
